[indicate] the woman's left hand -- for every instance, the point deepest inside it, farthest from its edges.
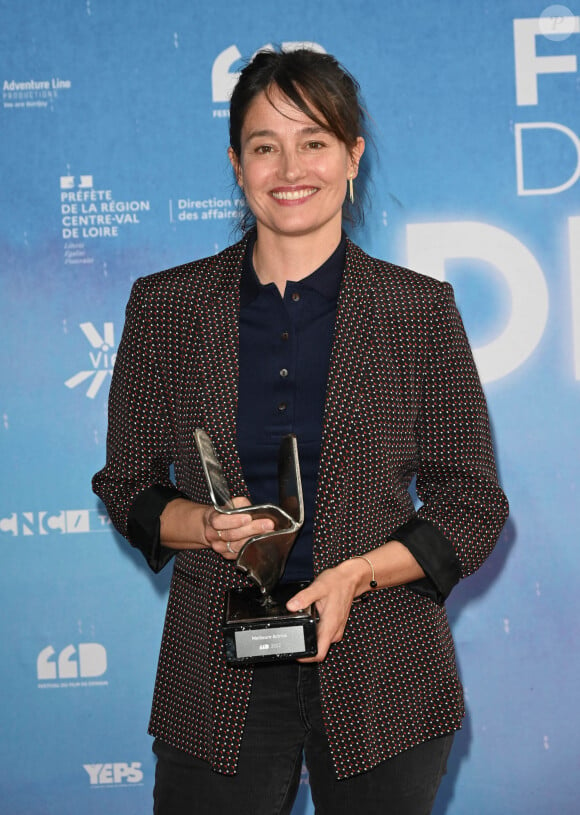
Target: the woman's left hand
(332, 592)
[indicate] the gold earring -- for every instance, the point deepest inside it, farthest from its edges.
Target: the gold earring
(350, 190)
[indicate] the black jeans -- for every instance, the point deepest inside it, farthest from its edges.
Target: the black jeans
(284, 721)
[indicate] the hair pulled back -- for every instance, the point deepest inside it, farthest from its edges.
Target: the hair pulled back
(318, 85)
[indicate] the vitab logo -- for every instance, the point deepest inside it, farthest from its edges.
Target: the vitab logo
(117, 773)
(83, 664)
(102, 358)
(223, 79)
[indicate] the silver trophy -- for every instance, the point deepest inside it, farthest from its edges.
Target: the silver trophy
(258, 627)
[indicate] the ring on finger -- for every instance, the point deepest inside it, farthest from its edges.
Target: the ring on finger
(219, 534)
(229, 548)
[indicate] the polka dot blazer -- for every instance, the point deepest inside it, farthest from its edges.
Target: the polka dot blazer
(403, 401)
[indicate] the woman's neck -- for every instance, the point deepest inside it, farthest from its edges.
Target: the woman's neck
(278, 259)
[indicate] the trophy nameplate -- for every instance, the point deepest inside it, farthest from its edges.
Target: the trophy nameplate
(258, 627)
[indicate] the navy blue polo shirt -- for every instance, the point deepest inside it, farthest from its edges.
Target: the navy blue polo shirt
(284, 355)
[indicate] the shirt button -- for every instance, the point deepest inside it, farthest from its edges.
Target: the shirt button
(282, 407)
(284, 372)
(284, 335)
(295, 296)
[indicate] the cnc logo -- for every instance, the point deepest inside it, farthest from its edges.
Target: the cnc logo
(72, 666)
(118, 773)
(223, 79)
(61, 522)
(102, 358)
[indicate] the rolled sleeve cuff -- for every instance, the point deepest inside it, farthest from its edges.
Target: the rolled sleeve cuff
(144, 524)
(436, 556)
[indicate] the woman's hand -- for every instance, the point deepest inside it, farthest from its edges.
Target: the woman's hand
(332, 592)
(226, 534)
(334, 589)
(188, 525)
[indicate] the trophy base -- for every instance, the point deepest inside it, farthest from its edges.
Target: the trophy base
(259, 628)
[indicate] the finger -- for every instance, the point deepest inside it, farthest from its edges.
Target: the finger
(225, 547)
(238, 534)
(221, 530)
(240, 501)
(231, 553)
(320, 656)
(302, 599)
(330, 629)
(325, 636)
(230, 525)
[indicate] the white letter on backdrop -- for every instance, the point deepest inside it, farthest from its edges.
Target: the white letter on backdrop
(520, 163)
(222, 81)
(430, 245)
(529, 64)
(574, 244)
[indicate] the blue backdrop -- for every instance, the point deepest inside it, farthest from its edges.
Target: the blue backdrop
(113, 164)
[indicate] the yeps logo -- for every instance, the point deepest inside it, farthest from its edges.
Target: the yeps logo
(85, 662)
(115, 774)
(223, 79)
(102, 360)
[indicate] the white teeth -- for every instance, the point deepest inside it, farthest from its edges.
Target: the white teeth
(293, 195)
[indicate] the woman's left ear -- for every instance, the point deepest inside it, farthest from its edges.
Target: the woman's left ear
(356, 155)
(237, 167)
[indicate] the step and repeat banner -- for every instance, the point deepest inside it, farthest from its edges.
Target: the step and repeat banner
(113, 128)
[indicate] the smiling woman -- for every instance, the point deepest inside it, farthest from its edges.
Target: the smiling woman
(316, 86)
(295, 330)
(293, 171)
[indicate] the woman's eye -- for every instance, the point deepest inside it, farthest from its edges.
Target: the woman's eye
(315, 145)
(264, 148)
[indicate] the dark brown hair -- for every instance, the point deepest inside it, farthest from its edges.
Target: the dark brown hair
(317, 85)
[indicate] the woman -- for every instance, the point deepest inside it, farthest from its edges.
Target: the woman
(296, 329)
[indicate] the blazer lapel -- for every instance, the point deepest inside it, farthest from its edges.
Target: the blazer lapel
(220, 362)
(351, 346)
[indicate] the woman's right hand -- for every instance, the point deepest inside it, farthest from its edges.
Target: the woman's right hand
(187, 525)
(226, 534)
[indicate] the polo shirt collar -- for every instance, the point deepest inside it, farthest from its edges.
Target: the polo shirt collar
(325, 280)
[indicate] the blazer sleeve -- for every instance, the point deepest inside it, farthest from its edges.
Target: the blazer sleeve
(463, 507)
(135, 482)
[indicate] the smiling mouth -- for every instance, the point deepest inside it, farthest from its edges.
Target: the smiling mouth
(293, 195)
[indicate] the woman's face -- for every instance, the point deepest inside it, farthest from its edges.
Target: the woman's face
(292, 171)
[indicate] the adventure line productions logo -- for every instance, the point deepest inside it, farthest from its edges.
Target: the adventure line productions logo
(87, 213)
(115, 774)
(72, 667)
(102, 359)
(59, 522)
(33, 93)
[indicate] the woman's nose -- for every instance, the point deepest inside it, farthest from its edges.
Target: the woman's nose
(290, 165)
